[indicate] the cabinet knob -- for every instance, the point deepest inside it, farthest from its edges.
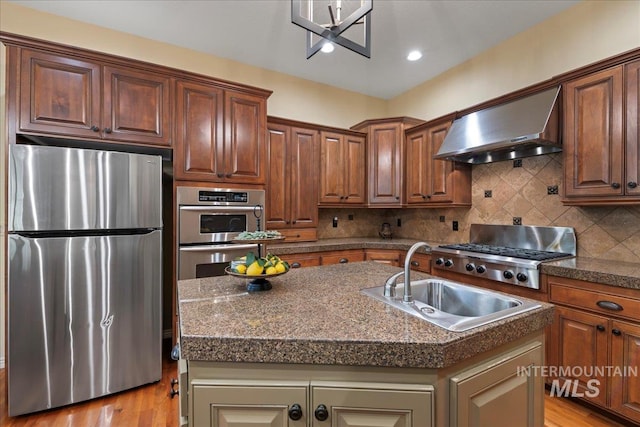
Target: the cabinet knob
(632, 184)
(600, 328)
(415, 263)
(341, 197)
(321, 413)
(107, 130)
(295, 412)
(173, 391)
(95, 128)
(343, 260)
(615, 185)
(424, 196)
(220, 175)
(229, 175)
(287, 222)
(295, 265)
(397, 197)
(294, 221)
(616, 332)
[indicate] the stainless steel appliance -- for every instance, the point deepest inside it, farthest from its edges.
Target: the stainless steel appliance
(506, 253)
(208, 220)
(84, 274)
(525, 127)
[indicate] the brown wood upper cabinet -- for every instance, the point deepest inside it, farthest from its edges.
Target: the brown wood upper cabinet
(72, 96)
(385, 159)
(220, 134)
(292, 177)
(430, 181)
(601, 141)
(342, 168)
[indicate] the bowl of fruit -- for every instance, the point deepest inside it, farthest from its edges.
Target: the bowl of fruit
(257, 270)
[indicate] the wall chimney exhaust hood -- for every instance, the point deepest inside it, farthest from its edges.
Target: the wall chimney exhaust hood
(522, 128)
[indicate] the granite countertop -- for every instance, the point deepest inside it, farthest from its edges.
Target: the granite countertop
(316, 315)
(606, 272)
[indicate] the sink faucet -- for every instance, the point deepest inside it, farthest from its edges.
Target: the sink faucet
(407, 298)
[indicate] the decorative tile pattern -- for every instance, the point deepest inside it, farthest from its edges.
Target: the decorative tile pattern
(605, 232)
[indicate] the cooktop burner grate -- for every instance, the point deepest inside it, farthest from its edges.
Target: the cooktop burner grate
(528, 254)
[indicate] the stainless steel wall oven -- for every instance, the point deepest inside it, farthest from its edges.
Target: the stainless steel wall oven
(208, 220)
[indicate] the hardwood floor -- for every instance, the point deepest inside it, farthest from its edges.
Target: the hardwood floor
(151, 406)
(145, 406)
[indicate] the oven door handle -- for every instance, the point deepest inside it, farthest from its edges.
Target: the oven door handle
(216, 248)
(218, 209)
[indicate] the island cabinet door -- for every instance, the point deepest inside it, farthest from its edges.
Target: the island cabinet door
(225, 403)
(500, 393)
(371, 404)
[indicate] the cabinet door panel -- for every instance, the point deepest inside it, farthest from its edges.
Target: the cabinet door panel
(632, 91)
(417, 150)
(496, 395)
(385, 161)
(137, 106)
(625, 385)
(59, 95)
(582, 341)
(278, 188)
(217, 405)
(593, 135)
(355, 175)
(245, 126)
(304, 178)
(370, 405)
(332, 168)
(441, 171)
(198, 132)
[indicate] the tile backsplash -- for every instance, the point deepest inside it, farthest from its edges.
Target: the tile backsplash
(502, 194)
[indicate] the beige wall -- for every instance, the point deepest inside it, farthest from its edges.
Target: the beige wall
(581, 35)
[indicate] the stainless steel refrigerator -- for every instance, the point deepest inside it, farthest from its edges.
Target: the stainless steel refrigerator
(84, 274)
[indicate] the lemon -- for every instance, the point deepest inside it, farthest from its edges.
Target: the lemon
(271, 270)
(280, 267)
(255, 269)
(241, 268)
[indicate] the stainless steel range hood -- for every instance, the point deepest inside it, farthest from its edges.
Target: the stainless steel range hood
(521, 128)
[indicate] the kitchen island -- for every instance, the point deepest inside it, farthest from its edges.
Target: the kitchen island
(317, 348)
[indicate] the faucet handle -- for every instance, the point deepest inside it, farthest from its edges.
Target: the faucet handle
(390, 285)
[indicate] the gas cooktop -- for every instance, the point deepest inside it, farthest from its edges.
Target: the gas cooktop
(505, 253)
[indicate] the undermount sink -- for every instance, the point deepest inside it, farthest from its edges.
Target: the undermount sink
(453, 306)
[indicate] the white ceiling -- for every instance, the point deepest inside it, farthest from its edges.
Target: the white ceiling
(260, 33)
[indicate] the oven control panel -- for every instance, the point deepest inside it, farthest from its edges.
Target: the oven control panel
(223, 196)
(512, 274)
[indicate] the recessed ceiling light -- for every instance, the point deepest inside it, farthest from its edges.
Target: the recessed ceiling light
(327, 47)
(414, 55)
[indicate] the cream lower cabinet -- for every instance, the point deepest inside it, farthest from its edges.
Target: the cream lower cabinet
(241, 403)
(499, 394)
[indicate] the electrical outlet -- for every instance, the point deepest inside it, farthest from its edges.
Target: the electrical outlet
(488, 193)
(335, 221)
(552, 189)
(455, 225)
(517, 163)
(441, 218)
(350, 217)
(399, 222)
(517, 220)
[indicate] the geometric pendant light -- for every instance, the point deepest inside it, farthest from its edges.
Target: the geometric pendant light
(329, 24)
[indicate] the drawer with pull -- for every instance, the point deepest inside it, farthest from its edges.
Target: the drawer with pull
(608, 300)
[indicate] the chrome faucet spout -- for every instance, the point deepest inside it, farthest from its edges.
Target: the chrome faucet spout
(408, 298)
